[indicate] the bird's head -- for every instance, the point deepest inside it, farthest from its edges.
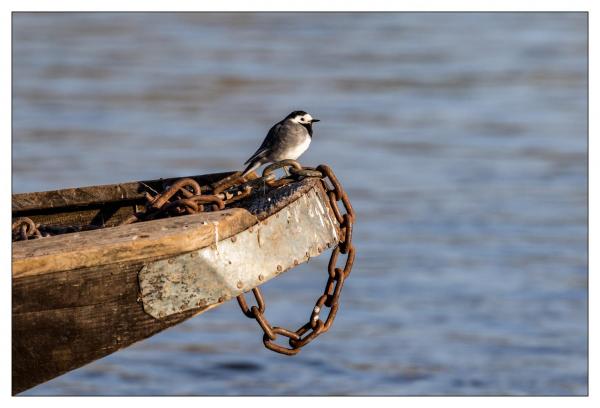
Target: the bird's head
(301, 118)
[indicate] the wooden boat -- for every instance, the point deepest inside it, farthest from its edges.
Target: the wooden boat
(80, 296)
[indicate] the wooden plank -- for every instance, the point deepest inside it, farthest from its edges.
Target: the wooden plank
(105, 205)
(164, 237)
(94, 195)
(63, 319)
(101, 215)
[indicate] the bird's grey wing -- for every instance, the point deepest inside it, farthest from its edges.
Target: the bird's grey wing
(267, 144)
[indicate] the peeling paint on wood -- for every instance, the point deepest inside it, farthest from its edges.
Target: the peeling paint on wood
(223, 271)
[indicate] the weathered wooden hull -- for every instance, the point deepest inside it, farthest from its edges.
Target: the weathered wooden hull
(81, 296)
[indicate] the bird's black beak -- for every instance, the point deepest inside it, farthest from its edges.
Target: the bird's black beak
(315, 120)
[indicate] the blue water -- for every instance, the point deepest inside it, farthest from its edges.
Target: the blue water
(461, 139)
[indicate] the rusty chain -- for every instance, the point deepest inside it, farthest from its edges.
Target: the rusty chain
(187, 199)
(185, 196)
(336, 276)
(24, 229)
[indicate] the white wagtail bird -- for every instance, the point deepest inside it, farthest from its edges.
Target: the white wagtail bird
(287, 139)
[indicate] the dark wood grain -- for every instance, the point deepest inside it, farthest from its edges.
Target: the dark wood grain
(64, 320)
(105, 205)
(97, 195)
(75, 297)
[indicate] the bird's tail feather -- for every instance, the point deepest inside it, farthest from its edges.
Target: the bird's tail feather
(252, 166)
(260, 153)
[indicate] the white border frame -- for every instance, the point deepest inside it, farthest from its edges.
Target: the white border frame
(306, 5)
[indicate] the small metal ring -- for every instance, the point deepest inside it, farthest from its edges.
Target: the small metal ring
(283, 163)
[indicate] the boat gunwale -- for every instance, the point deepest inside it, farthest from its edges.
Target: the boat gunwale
(97, 195)
(187, 233)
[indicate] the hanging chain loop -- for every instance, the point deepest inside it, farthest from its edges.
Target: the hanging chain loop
(330, 298)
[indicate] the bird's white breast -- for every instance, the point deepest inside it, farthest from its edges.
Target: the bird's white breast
(297, 150)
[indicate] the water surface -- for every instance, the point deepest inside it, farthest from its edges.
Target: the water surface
(461, 139)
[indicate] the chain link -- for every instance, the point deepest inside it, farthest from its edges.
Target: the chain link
(185, 197)
(24, 229)
(336, 276)
(182, 197)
